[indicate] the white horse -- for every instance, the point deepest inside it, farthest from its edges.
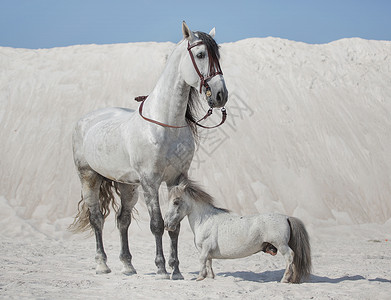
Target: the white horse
(122, 149)
(220, 234)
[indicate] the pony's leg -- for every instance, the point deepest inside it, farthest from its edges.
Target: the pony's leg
(90, 182)
(174, 261)
(203, 270)
(156, 225)
(129, 199)
(209, 269)
(288, 256)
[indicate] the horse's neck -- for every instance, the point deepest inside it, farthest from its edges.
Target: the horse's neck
(168, 101)
(199, 213)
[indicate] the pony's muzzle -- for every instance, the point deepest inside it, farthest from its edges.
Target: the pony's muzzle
(169, 227)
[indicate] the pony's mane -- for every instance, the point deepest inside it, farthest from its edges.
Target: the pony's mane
(193, 101)
(196, 193)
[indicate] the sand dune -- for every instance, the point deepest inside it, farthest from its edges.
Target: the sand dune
(308, 134)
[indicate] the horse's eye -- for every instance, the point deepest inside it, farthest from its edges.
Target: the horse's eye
(201, 55)
(176, 202)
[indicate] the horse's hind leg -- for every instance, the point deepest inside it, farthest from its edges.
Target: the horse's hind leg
(129, 197)
(90, 182)
(288, 256)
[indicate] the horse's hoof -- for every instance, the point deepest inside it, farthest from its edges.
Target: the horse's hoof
(199, 278)
(177, 276)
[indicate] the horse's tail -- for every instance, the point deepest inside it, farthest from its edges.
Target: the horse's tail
(299, 242)
(81, 222)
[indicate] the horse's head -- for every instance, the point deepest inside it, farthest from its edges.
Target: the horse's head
(178, 207)
(200, 67)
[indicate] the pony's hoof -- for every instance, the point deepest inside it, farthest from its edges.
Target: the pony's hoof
(128, 271)
(161, 276)
(199, 278)
(102, 270)
(177, 276)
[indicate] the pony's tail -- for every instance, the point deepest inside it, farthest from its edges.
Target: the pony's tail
(81, 222)
(299, 242)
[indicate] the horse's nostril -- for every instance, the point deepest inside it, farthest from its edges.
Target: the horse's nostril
(219, 96)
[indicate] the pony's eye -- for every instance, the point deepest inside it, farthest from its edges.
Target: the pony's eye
(176, 202)
(201, 55)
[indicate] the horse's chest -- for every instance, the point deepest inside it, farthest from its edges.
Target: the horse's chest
(173, 150)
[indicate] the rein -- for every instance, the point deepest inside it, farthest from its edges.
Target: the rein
(214, 70)
(209, 112)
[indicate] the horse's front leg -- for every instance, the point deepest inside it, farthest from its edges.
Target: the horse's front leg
(174, 261)
(157, 228)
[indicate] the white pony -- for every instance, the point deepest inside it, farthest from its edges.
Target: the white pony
(220, 234)
(123, 149)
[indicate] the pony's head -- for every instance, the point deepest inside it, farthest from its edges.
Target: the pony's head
(200, 67)
(178, 206)
(182, 199)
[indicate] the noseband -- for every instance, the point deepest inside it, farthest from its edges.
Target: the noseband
(214, 70)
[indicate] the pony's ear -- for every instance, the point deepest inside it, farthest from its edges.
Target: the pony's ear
(183, 182)
(187, 33)
(174, 192)
(212, 33)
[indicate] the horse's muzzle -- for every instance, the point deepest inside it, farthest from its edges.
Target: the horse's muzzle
(219, 99)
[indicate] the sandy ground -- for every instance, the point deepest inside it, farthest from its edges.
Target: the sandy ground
(37, 267)
(314, 121)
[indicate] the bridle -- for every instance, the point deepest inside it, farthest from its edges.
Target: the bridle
(214, 70)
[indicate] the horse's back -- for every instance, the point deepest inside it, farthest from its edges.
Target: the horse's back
(99, 144)
(103, 115)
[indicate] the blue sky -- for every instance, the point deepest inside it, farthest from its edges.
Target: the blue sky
(57, 23)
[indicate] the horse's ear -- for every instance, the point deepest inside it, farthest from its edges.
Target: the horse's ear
(212, 33)
(187, 33)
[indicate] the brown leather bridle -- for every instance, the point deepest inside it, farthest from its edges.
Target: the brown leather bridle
(214, 70)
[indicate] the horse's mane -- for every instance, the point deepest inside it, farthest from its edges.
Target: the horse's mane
(193, 101)
(192, 106)
(210, 43)
(196, 193)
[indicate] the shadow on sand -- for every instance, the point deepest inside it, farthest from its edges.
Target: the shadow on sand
(273, 276)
